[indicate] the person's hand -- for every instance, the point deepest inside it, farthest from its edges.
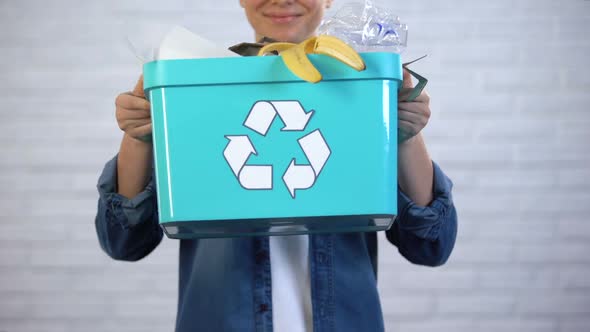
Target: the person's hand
(412, 115)
(133, 113)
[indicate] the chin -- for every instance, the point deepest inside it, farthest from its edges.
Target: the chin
(291, 38)
(286, 35)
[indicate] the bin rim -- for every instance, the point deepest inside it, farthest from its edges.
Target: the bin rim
(263, 69)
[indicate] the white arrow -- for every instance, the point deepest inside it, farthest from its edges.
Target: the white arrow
(298, 177)
(261, 116)
(316, 150)
(256, 177)
(292, 114)
(237, 152)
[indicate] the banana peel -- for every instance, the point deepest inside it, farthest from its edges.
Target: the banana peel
(275, 48)
(295, 55)
(296, 60)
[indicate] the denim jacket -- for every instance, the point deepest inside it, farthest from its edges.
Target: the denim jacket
(225, 284)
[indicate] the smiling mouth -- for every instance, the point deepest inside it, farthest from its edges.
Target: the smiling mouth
(282, 18)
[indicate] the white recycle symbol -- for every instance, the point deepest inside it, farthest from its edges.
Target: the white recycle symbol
(260, 118)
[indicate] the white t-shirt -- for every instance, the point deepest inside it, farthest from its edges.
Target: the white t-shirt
(291, 288)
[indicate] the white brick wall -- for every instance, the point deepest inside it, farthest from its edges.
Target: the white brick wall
(509, 82)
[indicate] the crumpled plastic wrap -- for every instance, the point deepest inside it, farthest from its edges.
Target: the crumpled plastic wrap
(367, 28)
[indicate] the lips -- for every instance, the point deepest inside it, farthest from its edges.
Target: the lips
(282, 18)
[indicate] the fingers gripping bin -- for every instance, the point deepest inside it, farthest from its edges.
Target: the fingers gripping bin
(243, 147)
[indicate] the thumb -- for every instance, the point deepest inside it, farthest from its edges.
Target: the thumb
(138, 90)
(407, 83)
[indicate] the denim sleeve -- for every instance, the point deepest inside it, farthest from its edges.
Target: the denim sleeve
(426, 235)
(127, 229)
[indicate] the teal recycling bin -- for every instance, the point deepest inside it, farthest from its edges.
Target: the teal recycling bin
(242, 147)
